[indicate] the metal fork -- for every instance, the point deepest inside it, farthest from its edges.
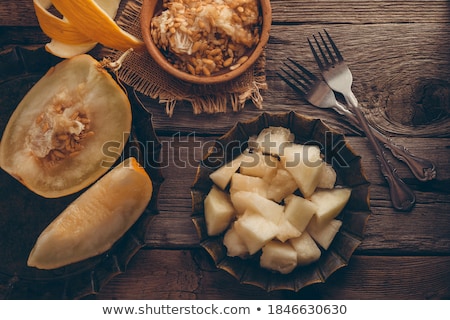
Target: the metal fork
(339, 77)
(319, 94)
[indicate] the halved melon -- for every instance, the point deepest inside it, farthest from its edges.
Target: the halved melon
(92, 223)
(68, 130)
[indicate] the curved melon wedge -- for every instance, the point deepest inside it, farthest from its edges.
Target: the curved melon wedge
(61, 29)
(66, 39)
(92, 223)
(68, 130)
(92, 20)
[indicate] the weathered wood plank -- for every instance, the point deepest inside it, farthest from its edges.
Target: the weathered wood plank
(359, 12)
(21, 12)
(17, 13)
(191, 276)
(12, 36)
(374, 277)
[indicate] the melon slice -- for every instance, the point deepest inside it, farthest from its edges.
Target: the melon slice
(68, 130)
(92, 223)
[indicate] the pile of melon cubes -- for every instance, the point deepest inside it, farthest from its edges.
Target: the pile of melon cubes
(278, 197)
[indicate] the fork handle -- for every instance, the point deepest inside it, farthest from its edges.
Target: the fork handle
(422, 169)
(402, 197)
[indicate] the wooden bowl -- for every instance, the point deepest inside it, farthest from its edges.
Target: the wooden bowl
(349, 173)
(150, 8)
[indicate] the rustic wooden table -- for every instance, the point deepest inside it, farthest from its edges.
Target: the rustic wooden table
(399, 53)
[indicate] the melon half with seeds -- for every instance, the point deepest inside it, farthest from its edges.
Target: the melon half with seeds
(68, 130)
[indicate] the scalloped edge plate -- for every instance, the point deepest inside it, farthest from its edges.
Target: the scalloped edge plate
(354, 216)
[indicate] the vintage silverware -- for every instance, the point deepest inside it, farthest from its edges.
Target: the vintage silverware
(339, 78)
(319, 94)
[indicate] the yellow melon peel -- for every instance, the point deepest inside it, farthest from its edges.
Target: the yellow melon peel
(95, 220)
(95, 23)
(57, 28)
(66, 39)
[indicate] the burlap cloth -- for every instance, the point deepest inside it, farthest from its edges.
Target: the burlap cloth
(140, 72)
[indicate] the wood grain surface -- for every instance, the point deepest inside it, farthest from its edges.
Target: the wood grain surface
(399, 54)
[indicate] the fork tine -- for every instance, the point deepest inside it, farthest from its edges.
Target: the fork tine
(303, 69)
(336, 50)
(330, 54)
(301, 76)
(322, 53)
(298, 88)
(316, 56)
(306, 82)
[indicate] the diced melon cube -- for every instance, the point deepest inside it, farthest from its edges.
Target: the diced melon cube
(261, 165)
(244, 200)
(324, 234)
(241, 182)
(299, 211)
(304, 163)
(222, 176)
(240, 201)
(281, 185)
(219, 211)
(272, 140)
(327, 177)
(306, 248)
(286, 230)
(255, 230)
(330, 203)
(278, 256)
(236, 247)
